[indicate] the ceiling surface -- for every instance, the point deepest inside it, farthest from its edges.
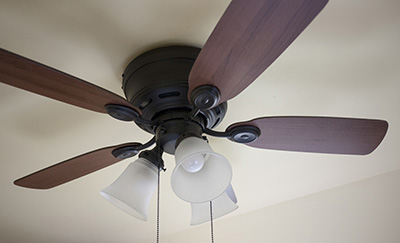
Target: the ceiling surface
(345, 64)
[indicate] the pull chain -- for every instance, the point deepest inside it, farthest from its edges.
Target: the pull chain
(160, 168)
(212, 223)
(158, 208)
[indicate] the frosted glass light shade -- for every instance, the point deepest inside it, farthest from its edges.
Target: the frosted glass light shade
(206, 184)
(222, 205)
(133, 189)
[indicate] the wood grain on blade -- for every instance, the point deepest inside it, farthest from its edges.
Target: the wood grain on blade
(319, 134)
(250, 35)
(29, 75)
(70, 169)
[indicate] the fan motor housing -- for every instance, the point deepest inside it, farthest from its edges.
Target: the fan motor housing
(157, 83)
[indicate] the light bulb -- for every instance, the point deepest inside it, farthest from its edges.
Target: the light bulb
(194, 163)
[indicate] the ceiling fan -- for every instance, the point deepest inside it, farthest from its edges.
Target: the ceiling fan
(181, 92)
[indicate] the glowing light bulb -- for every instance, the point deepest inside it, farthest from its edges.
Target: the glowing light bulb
(194, 163)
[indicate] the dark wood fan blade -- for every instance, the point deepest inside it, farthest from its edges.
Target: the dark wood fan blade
(319, 134)
(250, 35)
(29, 75)
(71, 169)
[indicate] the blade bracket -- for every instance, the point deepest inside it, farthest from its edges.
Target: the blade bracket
(121, 112)
(239, 134)
(126, 151)
(124, 113)
(131, 150)
(244, 134)
(205, 97)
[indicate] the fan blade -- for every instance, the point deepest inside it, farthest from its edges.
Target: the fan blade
(319, 134)
(71, 169)
(250, 35)
(29, 75)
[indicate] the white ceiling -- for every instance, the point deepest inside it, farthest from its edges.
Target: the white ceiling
(345, 64)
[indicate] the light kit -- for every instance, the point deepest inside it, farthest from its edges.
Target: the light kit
(222, 205)
(134, 188)
(200, 175)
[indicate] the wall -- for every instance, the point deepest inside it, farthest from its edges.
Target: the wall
(364, 211)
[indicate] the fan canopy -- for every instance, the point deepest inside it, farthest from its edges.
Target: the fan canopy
(157, 83)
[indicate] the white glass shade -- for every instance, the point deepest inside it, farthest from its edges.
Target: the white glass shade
(221, 206)
(207, 183)
(133, 189)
